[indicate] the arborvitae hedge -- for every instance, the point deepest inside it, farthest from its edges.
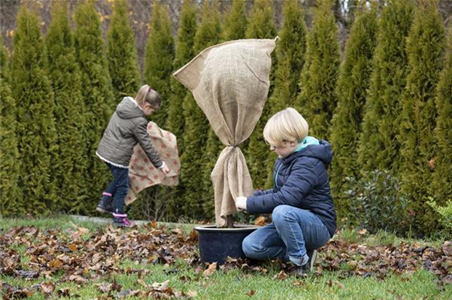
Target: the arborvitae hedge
(235, 21)
(64, 74)
(27, 186)
(196, 124)
(425, 49)
(37, 136)
(159, 58)
(122, 54)
(379, 148)
(290, 51)
(352, 85)
(317, 99)
(12, 202)
(260, 26)
(97, 94)
(441, 188)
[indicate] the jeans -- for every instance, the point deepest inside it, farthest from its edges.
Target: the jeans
(292, 232)
(118, 187)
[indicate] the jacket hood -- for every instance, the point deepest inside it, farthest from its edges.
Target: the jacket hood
(128, 109)
(322, 151)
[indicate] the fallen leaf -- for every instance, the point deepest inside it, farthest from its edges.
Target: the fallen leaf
(298, 283)
(447, 248)
(78, 279)
(281, 275)
(210, 270)
(192, 294)
(55, 264)
(260, 221)
(127, 293)
(72, 247)
(116, 286)
(160, 286)
(339, 284)
(447, 279)
(47, 287)
(64, 292)
(362, 231)
(104, 287)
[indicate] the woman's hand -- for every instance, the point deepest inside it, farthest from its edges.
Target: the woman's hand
(240, 203)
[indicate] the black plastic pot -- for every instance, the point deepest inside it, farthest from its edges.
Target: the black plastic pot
(216, 244)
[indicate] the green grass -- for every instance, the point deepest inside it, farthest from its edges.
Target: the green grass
(235, 284)
(62, 222)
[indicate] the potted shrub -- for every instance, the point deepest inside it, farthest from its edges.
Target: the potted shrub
(230, 83)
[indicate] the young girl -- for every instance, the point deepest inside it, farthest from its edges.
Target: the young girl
(127, 127)
(303, 213)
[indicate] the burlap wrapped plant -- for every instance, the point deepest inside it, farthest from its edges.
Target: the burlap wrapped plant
(230, 83)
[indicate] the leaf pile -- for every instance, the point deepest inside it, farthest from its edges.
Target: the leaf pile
(50, 253)
(81, 256)
(354, 259)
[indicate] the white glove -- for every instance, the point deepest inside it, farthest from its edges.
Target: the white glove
(240, 203)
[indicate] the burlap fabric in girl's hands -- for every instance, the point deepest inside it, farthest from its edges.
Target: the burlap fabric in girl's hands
(143, 174)
(230, 83)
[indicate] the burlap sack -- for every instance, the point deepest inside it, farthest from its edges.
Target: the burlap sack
(230, 83)
(143, 174)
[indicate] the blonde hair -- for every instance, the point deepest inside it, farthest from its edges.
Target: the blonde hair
(287, 125)
(147, 95)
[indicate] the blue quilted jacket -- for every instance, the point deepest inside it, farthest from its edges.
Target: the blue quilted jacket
(300, 180)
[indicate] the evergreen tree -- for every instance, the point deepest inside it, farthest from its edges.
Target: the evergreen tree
(352, 85)
(175, 122)
(12, 202)
(184, 53)
(69, 109)
(208, 33)
(211, 153)
(194, 159)
(122, 55)
(379, 148)
(290, 52)
(235, 22)
(97, 93)
(425, 49)
(37, 136)
(317, 99)
(442, 184)
(261, 26)
(213, 145)
(159, 58)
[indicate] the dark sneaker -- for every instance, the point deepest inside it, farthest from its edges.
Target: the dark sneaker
(308, 267)
(105, 207)
(120, 220)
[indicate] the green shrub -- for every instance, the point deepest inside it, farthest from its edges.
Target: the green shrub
(445, 213)
(377, 202)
